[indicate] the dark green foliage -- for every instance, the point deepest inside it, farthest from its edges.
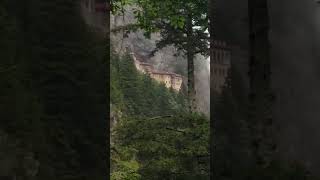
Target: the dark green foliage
(181, 23)
(53, 89)
(155, 138)
(138, 94)
(168, 147)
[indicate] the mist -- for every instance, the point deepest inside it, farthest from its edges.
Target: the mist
(295, 42)
(166, 59)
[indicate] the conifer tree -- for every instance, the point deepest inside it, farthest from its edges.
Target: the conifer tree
(159, 137)
(181, 23)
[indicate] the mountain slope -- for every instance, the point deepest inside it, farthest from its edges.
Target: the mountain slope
(154, 137)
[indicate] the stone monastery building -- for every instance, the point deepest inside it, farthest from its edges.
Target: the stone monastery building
(221, 64)
(171, 80)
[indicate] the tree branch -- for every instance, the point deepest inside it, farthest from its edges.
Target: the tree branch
(158, 117)
(176, 130)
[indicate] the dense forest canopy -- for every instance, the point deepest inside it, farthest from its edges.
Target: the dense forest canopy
(154, 135)
(53, 79)
(54, 82)
(242, 124)
(183, 24)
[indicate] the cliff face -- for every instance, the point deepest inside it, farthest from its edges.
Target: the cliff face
(167, 59)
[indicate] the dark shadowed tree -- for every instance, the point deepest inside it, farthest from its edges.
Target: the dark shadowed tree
(260, 97)
(181, 23)
(211, 18)
(53, 97)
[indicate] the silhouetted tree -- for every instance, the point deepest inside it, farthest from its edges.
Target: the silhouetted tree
(260, 97)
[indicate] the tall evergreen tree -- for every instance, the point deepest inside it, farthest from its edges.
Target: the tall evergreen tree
(157, 139)
(182, 24)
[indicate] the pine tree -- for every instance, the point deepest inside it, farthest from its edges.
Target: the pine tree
(176, 22)
(159, 136)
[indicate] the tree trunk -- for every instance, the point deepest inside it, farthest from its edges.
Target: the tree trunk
(211, 14)
(108, 140)
(260, 117)
(190, 56)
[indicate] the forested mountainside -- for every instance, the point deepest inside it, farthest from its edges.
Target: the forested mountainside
(154, 137)
(167, 58)
(53, 93)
